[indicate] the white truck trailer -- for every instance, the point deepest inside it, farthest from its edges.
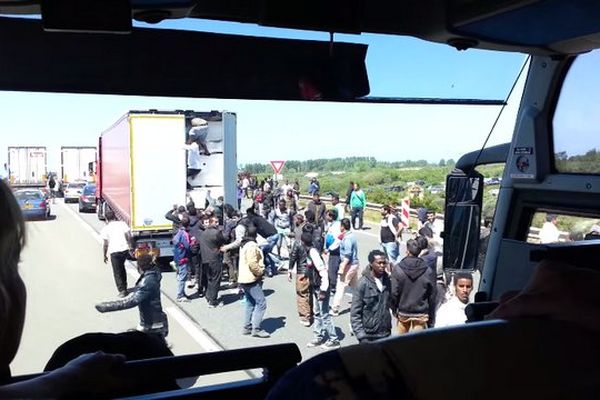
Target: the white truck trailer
(27, 166)
(142, 167)
(77, 163)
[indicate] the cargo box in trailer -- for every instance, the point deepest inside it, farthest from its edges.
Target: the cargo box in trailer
(142, 166)
(77, 163)
(27, 166)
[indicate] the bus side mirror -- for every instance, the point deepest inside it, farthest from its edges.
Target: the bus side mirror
(462, 220)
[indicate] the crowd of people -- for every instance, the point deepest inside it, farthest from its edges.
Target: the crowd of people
(218, 243)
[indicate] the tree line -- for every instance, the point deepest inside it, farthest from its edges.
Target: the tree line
(358, 164)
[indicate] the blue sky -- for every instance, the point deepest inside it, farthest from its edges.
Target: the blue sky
(397, 66)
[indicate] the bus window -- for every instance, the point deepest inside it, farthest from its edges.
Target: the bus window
(549, 227)
(576, 121)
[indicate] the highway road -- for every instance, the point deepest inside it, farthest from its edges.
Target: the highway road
(65, 276)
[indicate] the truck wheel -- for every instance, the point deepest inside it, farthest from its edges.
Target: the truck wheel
(100, 211)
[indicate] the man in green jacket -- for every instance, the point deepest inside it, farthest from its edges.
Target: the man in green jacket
(357, 206)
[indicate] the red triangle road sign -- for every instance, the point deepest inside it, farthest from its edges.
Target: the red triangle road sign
(277, 166)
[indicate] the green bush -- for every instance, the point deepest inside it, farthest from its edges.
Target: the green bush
(381, 196)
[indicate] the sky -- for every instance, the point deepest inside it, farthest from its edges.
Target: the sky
(397, 67)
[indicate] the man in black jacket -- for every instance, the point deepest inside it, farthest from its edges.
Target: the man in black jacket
(146, 296)
(413, 293)
(211, 240)
(370, 313)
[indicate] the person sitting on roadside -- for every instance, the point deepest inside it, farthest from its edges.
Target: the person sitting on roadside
(93, 374)
(146, 296)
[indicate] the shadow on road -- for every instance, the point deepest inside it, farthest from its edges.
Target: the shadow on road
(272, 324)
(229, 298)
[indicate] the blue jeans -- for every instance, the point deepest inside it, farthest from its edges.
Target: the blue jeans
(392, 249)
(267, 249)
(256, 304)
(323, 324)
(182, 273)
(357, 212)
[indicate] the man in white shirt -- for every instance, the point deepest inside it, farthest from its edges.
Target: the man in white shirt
(549, 232)
(453, 311)
(116, 244)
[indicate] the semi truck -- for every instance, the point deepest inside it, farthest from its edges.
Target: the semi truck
(27, 166)
(77, 163)
(142, 165)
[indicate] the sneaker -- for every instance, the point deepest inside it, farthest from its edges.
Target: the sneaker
(183, 300)
(334, 313)
(212, 305)
(122, 294)
(304, 322)
(331, 344)
(259, 333)
(315, 343)
(246, 331)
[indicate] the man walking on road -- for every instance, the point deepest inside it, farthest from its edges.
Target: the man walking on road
(116, 239)
(323, 327)
(250, 279)
(357, 206)
(181, 256)
(348, 267)
(370, 312)
(390, 231)
(413, 293)
(319, 208)
(349, 194)
(332, 247)
(211, 241)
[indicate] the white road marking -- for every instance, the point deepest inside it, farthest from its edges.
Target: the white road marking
(200, 337)
(186, 323)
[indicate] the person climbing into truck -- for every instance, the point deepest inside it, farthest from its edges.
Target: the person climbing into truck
(193, 158)
(199, 131)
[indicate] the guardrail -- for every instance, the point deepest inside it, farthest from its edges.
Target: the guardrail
(369, 206)
(532, 237)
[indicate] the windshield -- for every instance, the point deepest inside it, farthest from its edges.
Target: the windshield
(153, 164)
(29, 196)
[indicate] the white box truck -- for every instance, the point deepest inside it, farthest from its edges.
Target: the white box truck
(77, 163)
(142, 165)
(27, 166)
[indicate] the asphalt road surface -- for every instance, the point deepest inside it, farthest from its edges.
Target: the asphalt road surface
(65, 276)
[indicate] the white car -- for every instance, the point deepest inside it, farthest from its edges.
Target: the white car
(73, 191)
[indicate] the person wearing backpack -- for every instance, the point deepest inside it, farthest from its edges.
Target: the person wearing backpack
(324, 334)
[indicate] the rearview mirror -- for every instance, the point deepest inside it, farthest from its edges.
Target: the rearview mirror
(462, 220)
